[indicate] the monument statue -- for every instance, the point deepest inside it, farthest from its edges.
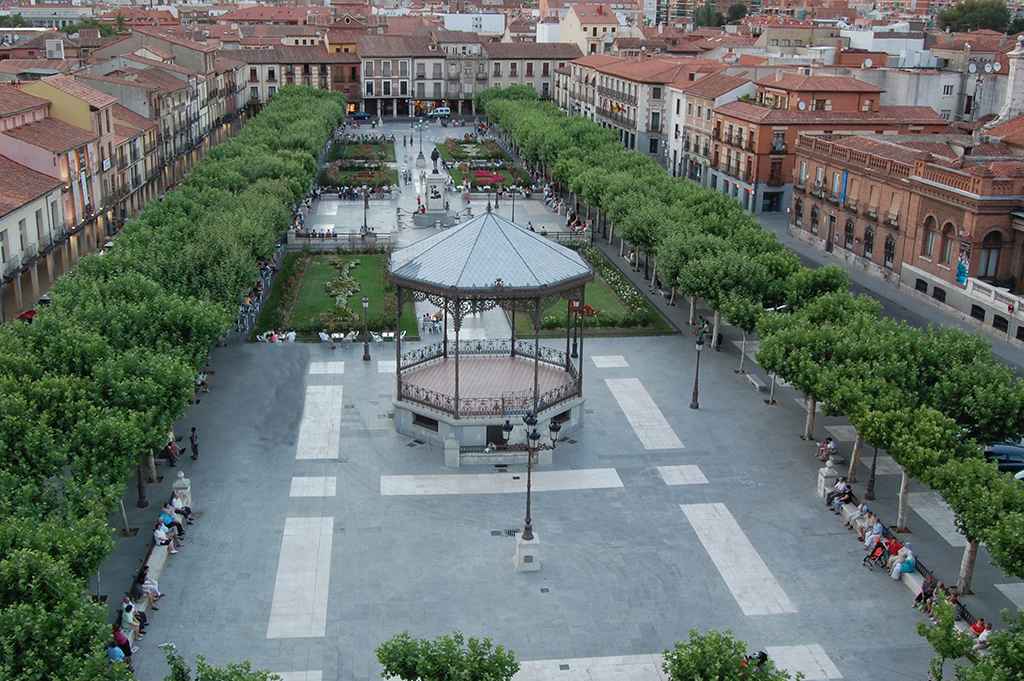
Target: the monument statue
(433, 157)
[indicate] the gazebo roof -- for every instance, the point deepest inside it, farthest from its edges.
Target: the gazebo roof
(469, 259)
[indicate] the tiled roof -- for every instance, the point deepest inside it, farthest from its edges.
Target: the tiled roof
(591, 14)
(51, 134)
(345, 34)
(396, 46)
(714, 85)
(278, 30)
(597, 60)
(752, 60)
(265, 13)
(908, 115)
(174, 39)
(409, 25)
(646, 70)
(79, 90)
(17, 66)
(1011, 132)
(161, 80)
(794, 82)
(122, 78)
(126, 116)
(565, 51)
(13, 100)
(20, 185)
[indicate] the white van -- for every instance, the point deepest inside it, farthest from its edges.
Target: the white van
(441, 112)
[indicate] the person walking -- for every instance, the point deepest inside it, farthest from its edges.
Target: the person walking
(193, 441)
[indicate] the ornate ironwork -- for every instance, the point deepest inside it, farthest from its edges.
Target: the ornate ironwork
(421, 355)
(515, 403)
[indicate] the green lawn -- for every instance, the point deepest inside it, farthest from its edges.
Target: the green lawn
(333, 176)
(601, 297)
(509, 177)
(313, 300)
(370, 152)
(454, 149)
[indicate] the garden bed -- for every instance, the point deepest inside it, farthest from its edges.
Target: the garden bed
(619, 308)
(343, 174)
(489, 177)
(307, 297)
(381, 151)
(469, 149)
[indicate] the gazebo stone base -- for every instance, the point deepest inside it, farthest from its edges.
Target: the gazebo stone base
(527, 558)
(472, 435)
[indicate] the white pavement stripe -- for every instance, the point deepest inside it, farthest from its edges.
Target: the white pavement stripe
(299, 606)
(682, 475)
(1015, 592)
(329, 367)
(745, 574)
(643, 414)
(810, 660)
(609, 361)
(386, 366)
(617, 668)
(316, 486)
(499, 483)
(935, 512)
(320, 428)
(301, 676)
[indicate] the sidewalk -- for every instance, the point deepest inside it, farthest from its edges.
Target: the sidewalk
(895, 302)
(931, 525)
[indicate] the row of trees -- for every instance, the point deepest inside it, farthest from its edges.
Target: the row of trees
(972, 15)
(928, 397)
(99, 377)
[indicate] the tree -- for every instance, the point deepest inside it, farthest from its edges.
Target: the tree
(716, 656)
(1016, 26)
(707, 15)
(180, 670)
(971, 15)
(105, 29)
(13, 21)
(736, 12)
(948, 642)
(451, 657)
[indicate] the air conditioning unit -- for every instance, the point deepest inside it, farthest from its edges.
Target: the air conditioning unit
(55, 49)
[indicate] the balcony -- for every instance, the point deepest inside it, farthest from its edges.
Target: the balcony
(31, 251)
(12, 266)
(778, 147)
(421, 76)
(481, 76)
(799, 185)
(851, 205)
(616, 95)
(452, 75)
(654, 128)
(892, 220)
(818, 190)
(871, 213)
(617, 117)
(777, 181)
(833, 199)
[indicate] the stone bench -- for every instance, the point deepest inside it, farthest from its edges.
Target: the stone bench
(758, 383)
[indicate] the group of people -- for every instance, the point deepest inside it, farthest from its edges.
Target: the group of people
(432, 323)
(172, 451)
(932, 590)
(169, 531)
(365, 138)
(275, 336)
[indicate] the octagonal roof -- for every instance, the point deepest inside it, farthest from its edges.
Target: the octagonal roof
(470, 259)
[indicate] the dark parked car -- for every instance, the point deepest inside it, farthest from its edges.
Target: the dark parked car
(359, 116)
(1009, 456)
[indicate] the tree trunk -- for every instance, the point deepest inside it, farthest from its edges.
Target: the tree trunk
(622, 246)
(963, 582)
(743, 351)
(611, 232)
(851, 472)
(693, 309)
(811, 405)
(714, 330)
(672, 299)
(654, 272)
(150, 467)
(904, 505)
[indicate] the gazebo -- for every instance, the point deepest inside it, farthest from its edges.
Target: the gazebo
(459, 393)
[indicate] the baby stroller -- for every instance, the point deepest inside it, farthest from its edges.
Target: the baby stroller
(877, 557)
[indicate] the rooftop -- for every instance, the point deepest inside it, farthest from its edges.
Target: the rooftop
(52, 135)
(20, 185)
(396, 46)
(126, 116)
(79, 90)
(566, 51)
(714, 85)
(13, 100)
(471, 257)
(297, 54)
(592, 13)
(907, 115)
(794, 82)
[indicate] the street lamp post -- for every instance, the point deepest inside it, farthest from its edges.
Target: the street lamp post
(366, 333)
(869, 491)
(421, 161)
(366, 207)
(532, 447)
(694, 400)
(140, 486)
(513, 205)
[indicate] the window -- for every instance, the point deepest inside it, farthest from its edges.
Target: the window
(978, 312)
(931, 235)
(655, 93)
(988, 265)
(939, 294)
(22, 235)
(529, 69)
(947, 90)
(403, 88)
(513, 69)
(544, 70)
(3, 246)
(593, 31)
(948, 239)
(271, 74)
(254, 92)
(39, 226)
(678, 102)
(386, 88)
(815, 218)
(890, 252)
(803, 172)
(368, 68)
(798, 212)
(54, 215)
(271, 91)
(655, 121)
(700, 111)
(869, 241)
(836, 179)
(689, 109)
(848, 235)
(386, 69)
(866, 105)
(819, 176)
(369, 88)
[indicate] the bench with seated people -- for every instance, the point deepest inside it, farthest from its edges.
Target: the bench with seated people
(886, 551)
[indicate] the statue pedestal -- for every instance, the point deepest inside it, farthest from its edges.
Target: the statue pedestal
(433, 190)
(527, 558)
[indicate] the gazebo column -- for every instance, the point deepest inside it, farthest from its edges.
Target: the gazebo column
(398, 343)
(458, 326)
(512, 352)
(569, 326)
(444, 339)
(536, 354)
(579, 332)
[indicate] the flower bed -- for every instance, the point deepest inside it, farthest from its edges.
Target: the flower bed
(337, 175)
(469, 149)
(384, 151)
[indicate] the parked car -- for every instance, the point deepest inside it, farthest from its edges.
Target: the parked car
(1008, 456)
(440, 112)
(359, 116)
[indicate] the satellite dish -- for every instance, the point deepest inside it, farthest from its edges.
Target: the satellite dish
(972, 68)
(988, 68)
(868, 63)
(801, 105)
(996, 67)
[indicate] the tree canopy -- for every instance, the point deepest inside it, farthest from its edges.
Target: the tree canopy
(971, 15)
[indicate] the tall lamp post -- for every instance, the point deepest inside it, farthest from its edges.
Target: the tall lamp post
(532, 447)
(366, 207)
(694, 400)
(513, 204)
(366, 333)
(421, 160)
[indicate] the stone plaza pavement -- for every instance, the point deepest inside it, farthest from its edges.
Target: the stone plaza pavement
(323, 532)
